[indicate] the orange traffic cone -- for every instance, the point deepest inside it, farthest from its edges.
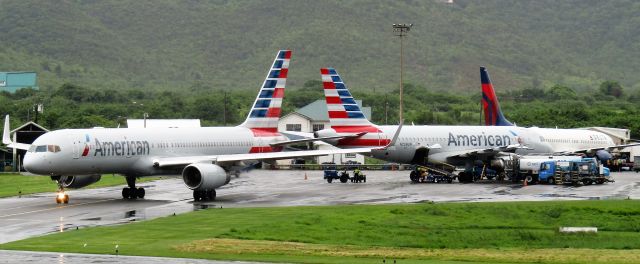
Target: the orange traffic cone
(305, 176)
(525, 182)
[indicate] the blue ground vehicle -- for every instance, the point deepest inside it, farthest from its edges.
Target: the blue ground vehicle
(586, 171)
(331, 173)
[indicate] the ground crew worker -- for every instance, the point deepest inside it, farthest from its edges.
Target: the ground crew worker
(423, 174)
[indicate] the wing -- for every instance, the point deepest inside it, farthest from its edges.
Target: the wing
(608, 148)
(311, 139)
(470, 153)
(186, 160)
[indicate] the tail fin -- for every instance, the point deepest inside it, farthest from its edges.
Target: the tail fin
(344, 112)
(492, 112)
(346, 117)
(265, 113)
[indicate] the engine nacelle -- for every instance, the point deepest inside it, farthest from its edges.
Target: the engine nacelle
(204, 176)
(327, 132)
(76, 182)
(497, 163)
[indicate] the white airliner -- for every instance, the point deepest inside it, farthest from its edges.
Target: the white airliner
(559, 141)
(456, 145)
(205, 157)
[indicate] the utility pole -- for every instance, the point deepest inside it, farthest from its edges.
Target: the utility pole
(224, 112)
(401, 31)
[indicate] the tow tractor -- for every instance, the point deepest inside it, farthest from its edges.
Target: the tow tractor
(331, 173)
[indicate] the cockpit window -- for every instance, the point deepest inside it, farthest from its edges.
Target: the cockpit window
(45, 148)
(53, 148)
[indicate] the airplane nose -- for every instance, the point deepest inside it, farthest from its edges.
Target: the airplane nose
(29, 163)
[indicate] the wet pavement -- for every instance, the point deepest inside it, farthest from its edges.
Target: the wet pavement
(38, 214)
(10, 256)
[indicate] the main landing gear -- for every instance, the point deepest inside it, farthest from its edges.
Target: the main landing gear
(206, 195)
(132, 192)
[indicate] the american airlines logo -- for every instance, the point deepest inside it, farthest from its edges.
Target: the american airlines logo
(121, 148)
(479, 140)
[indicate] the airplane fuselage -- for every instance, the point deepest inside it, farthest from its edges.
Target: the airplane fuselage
(131, 151)
(445, 141)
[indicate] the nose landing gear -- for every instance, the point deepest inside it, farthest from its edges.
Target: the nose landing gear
(61, 196)
(132, 192)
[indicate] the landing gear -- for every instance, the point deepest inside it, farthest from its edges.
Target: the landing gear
(61, 196)
(206, 195)
(132, 192)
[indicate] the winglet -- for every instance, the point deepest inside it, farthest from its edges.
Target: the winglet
(6, 139)
(395, 136)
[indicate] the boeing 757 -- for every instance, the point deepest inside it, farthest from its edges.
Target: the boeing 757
(205, 157)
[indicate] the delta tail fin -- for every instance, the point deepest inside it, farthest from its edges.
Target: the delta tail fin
(265, 112)
(492, 113)
(346, 117)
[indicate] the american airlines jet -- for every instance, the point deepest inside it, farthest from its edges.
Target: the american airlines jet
(456, 145)
(205, 157)
(556, 140)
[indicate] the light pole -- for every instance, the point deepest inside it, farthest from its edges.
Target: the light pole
(401, 31)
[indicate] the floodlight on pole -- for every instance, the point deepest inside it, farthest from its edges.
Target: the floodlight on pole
(401, 31)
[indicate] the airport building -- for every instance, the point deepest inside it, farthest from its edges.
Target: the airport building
(314, 117)
(13, 81)
(26, 133)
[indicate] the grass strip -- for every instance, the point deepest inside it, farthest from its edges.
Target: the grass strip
(15, 184)
(519, 232)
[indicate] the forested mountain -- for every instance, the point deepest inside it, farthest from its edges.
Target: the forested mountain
(199, 45)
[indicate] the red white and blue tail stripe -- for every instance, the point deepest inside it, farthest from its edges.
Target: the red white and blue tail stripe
(265, 113)
(345, 116)
(492, 113)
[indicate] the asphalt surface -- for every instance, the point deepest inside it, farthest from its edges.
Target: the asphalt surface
(10, 256)
(38, 214)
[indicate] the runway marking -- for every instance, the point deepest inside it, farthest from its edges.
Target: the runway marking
(57, 207)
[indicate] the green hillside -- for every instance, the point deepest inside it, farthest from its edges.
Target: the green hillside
(182, 45)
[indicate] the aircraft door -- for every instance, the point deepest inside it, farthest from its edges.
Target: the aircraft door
(75, 148)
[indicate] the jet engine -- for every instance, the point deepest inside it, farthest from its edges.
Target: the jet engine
(204, 176)
(497, 163)
(327, 132)
(76, 182)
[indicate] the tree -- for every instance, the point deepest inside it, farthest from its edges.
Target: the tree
(612, 88)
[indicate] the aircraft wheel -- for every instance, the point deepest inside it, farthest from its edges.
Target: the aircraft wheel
(140, 192)
(196, 196)
(125, 192)
(211, 195)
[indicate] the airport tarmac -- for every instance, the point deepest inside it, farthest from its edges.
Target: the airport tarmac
(11, 256)
(38, 214)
